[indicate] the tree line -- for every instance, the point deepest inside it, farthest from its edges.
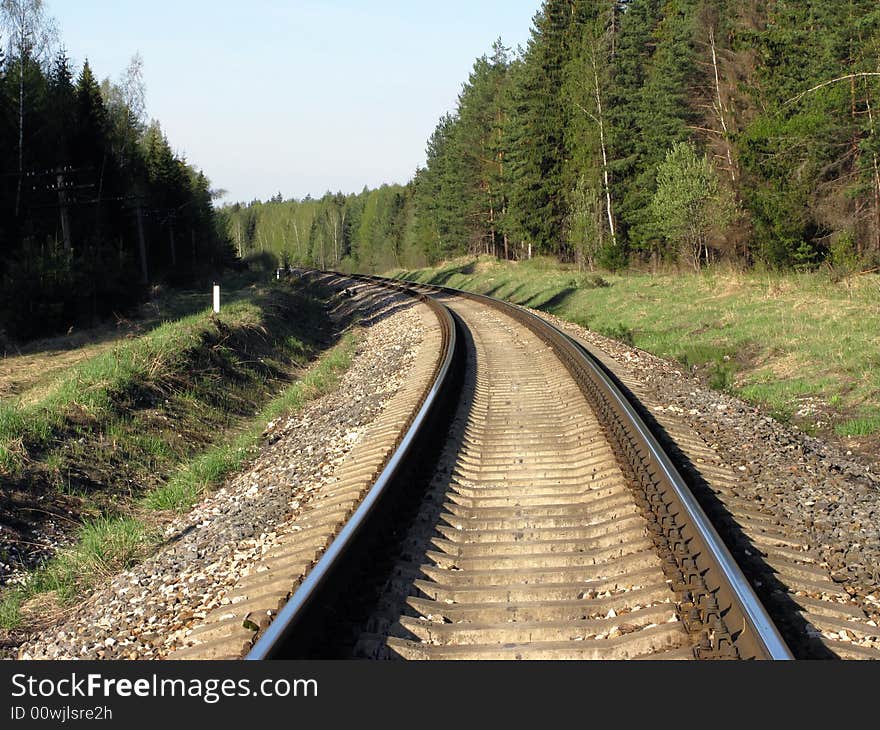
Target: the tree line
(371, 230)
(94, 204)
(634, 131)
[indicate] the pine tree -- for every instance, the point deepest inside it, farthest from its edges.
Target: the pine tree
(91, 124)
(438, 194)
(475, 163)
(538, 120)
(654, 71)
(60, 110)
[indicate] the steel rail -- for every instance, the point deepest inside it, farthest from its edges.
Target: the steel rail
(285, 623)
(728, 599)
(732, 618)
(757, 623)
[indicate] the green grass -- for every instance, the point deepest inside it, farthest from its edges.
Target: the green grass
(104, 546)
(774, 339)
(863, 426)
(157, 421)
(175, 369)
(91, 388)
(190, 482)
(619, 332)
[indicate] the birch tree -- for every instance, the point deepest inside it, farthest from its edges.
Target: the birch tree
(689, 203)
(133, 88)
(30, 34)
(586, 91)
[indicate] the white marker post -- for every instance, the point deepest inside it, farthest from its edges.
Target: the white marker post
(216, 299)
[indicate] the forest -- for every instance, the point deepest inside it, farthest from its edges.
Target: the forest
(631, 133)
(94, 205)
(626, 133)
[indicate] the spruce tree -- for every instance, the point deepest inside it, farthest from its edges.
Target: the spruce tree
(60, 110)
(538, 120)
(476, 160)
(654, 71)
(591, 221)
(439, 194)
(90, 137)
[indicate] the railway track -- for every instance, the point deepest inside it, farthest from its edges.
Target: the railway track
(525, 511)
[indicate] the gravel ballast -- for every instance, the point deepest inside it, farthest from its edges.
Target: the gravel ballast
(823, 500)
(826, 499)
(145, 613)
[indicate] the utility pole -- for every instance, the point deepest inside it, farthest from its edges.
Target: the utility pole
(65, 219)
(173, 247)
(142, 240)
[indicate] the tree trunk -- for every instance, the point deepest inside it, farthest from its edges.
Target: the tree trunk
(720, 106)
(876, 186)
(65, 220)
(173, 247)
(605, 170)
(342, 222)
(20, 129)
(142, 241)
(298, 248)
(492, 225)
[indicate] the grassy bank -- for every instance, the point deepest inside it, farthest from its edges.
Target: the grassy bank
(802, 346)
(173, 374)
(186, 485)
(148, 426)
(106, 544)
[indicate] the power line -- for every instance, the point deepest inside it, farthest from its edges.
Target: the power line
(63, 170)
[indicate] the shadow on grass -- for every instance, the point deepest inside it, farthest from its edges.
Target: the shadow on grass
(549, 302)
(511, 295)
(155, 421)
(441, 277)
(368, 308)
(137, 322)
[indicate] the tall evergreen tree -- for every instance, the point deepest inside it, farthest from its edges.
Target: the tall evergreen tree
(60, 109)
(538, 120)
(654, 71)
(592, 221)
(476, 158)
(439, 195)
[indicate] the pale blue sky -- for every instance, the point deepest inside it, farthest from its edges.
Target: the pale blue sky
(298, 97)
